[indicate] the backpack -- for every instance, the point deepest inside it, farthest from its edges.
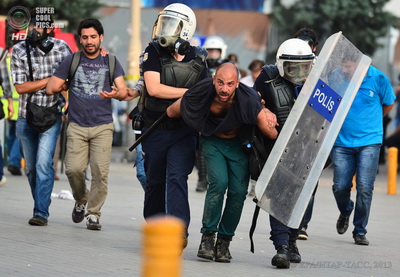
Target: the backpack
(255, 146)
(77, 58)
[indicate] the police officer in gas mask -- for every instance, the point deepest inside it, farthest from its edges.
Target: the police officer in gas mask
(170, 67)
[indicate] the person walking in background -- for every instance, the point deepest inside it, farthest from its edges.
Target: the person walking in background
(90, 129)
(356, 149)
(255, 68)
(5, 87)
(12, 142)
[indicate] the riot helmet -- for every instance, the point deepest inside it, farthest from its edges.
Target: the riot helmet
(175, 25)
(294, 60)
(216, 48)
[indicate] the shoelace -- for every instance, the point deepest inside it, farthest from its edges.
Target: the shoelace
(80, 208)
(92, 218)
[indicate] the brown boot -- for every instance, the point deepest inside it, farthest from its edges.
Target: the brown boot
(222, 254)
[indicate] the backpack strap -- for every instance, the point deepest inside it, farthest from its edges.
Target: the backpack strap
(253, 225)
(111, 67)
(76, 59)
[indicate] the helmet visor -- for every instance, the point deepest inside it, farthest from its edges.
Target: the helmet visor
(297, 72)
(168, 26)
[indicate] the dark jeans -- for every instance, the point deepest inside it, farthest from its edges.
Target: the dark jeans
(362, 161)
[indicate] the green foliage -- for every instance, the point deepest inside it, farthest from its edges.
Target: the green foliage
(361, 21)
(72, 10)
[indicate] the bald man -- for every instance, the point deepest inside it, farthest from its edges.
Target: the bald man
(218, 108)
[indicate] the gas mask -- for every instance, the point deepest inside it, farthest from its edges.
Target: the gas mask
(167, 32)
(297, 72)
(35, 39)
(179, 45)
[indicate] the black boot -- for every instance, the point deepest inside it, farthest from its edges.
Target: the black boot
(282, 257)
(222, 254)
(202, 184)
(295, 256)
(206, 248)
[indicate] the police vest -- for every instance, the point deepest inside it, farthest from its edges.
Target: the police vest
(175, 74)
(281, 94)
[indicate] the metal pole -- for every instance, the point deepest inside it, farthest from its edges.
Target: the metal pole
(135, 48)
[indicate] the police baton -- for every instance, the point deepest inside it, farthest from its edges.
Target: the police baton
(143, 136)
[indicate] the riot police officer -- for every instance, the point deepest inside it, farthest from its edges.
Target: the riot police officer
(170, 67)
(278, 85)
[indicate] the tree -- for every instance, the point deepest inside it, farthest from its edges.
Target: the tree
(361, 21)
(74, 11)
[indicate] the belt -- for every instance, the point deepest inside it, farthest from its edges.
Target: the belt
(165, 125)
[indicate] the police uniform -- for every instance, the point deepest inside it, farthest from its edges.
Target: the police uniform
(170, 148)
(279, 95)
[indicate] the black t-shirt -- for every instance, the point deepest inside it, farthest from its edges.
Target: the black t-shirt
(196, 103)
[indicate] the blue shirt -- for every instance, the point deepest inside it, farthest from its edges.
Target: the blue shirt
(364, 122)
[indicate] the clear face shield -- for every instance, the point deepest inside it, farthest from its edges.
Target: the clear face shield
(297, 72)
(168, 30)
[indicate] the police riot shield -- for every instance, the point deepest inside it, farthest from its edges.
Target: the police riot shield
(297, 159)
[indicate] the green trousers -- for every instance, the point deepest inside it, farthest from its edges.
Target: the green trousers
(227, 171)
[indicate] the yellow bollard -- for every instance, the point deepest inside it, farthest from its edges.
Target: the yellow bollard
(162, 247)
(392, 170)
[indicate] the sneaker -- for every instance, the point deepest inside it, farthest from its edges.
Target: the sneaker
(360, 240)
(92, 222)
(342, 224)
(14, 170)
(3, 180)
(295, 256)
(37, 220)
(303, 234)
(222, 253)
(78, 213)
(206, 248)
(282, 257)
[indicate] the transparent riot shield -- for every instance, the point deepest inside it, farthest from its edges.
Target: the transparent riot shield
(294, 165)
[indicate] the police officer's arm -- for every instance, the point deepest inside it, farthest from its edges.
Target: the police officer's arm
(174, 110)
(56, 85)
(156, 89)
(264, 125)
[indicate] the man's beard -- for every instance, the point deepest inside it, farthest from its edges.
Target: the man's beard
(94, 49)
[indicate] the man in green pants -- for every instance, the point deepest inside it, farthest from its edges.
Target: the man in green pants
(218, 108)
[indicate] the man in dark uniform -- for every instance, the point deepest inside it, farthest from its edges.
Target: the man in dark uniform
(170, 67)
(277, 85)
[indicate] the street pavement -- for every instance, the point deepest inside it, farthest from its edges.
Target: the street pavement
(64, 248)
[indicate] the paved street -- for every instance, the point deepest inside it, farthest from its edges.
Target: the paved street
(64, 248)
